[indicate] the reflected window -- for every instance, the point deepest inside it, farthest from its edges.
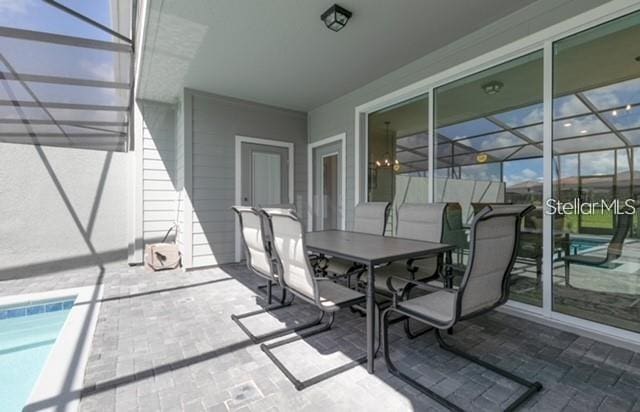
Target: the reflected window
(398, 158)
(489, 151)
(596, 88)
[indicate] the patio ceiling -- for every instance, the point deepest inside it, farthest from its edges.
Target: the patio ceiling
(65, 73)
(279, 52)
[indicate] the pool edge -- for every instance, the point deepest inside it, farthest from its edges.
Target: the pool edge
(59, 384)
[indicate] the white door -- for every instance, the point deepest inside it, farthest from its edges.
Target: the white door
(264, 175)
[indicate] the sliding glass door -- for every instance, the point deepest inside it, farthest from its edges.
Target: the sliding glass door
(489, 151)
(488, 139)
(596, 137)
(399, 155)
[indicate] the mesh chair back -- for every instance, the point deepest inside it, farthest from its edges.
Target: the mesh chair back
(294, 270)
(257, 251)
(421, 221)
(494, 239)
(453, 231)
(371, 217)
(623, 224)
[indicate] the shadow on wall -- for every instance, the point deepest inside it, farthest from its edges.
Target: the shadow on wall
(163, 170)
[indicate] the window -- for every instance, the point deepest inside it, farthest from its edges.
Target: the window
(596, 123)
(489, 151)
(399, 155)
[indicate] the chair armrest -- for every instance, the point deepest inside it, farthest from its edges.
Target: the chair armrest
(420, 285)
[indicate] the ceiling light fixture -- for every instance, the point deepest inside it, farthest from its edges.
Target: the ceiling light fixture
(387, 160)
(492, 87)
(336, 17)
(628, 107)
(583, 131)
(568, 124)
(615, 112)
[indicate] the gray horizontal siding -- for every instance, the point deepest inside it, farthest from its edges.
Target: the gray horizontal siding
(216, 122)
(160, 207)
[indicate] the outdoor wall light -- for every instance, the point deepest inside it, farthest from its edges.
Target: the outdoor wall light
(336, 17)
(492, 87)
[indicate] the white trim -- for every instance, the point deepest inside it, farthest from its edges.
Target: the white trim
(431, 155)
(547, 173)
(59, 384)
(187, 131)
(582, 327)
(541, 40)
(343, 166)
(238, 174)
(141, 28)
(135, 181)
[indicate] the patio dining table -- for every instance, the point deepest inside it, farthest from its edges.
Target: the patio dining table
(371, 250)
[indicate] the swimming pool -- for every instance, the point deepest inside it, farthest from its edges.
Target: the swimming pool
(579, 245)
(45, 341)
(27, 334)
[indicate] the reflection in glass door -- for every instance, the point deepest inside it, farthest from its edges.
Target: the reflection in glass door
(327, 184)
(330, 195)
(489, 151)
(596, 142)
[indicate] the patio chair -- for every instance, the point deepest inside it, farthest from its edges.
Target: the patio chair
(419, 221)
(614, 249)
(369, 217)
(295, 275)
(259, 261)
(484, 286)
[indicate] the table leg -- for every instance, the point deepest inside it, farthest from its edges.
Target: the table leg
(448, 272)
(449, 278)
(371, 317)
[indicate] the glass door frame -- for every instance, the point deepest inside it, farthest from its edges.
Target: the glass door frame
(542, 40)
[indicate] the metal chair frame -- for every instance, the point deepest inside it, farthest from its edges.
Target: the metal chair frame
(271, 280)
(531, 387)
(268, 348)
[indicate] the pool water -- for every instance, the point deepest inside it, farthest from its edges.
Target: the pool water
(581, 244)
(27, 334)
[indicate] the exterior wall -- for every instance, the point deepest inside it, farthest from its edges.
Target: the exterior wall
(63, 209)
(214, 123)
(160, 197)
(338, 116)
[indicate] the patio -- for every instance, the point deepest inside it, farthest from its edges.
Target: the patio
(165, 341)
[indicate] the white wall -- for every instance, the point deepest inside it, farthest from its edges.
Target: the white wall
(61, 208)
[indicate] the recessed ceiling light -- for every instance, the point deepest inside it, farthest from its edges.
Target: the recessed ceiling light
(615, 112)
(492, 87)
(628, 107)
(583, 131)
(568, 124)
